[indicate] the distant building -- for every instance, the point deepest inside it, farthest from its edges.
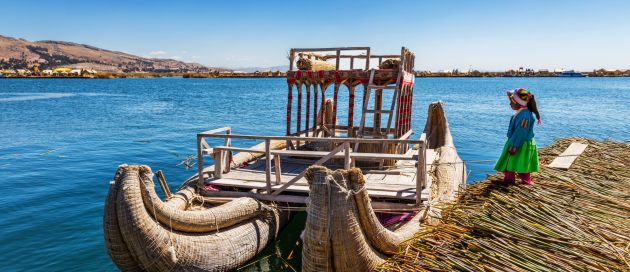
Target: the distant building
(61, 71)
(47, 72)
(75, 72)
(7, 72)
(23, 72)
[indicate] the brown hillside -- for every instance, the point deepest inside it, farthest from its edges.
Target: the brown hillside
(21, 54)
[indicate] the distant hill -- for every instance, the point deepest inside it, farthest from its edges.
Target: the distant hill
(22, 54)
(281, 68)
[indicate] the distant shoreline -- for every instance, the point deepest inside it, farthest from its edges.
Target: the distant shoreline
(282, 75)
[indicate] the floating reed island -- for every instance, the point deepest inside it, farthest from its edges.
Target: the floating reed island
(569, 220)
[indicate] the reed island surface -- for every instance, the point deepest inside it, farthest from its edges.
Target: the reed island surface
(569, 220)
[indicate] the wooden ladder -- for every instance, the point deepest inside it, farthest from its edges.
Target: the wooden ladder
(365, 110)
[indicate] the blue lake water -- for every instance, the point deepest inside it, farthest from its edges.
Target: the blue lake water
(61, 141)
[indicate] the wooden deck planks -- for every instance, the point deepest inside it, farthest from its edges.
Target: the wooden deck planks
(398, 183)
(566, 159)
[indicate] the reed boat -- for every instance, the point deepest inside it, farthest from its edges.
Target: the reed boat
(366, 187)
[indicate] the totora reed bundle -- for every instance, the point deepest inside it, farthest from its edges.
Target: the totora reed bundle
(575, 220)
(314, 65)
(389, 64)
(142, 233)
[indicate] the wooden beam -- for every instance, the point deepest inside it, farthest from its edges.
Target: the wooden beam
(329, 49)
(277, 170)
(199, 159)
(312, 139)
(291, 59)
(218, 164)
(421, 168)
(160, 177)
(265, 197)
(215, 131)
(346, 161)
(318, 162)
(268, 164)
(227, 196)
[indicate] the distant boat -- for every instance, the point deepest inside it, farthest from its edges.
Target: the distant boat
(571, 73)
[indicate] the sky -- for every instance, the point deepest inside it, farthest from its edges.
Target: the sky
(483, 35)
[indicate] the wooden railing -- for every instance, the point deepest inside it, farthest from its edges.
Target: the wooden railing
(221, 154)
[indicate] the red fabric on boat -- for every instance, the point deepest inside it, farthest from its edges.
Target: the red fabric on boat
(388, 219)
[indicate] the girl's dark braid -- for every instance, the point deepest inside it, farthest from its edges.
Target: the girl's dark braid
(531, 106)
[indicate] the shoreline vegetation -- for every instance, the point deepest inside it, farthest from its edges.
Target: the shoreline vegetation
(278, 74)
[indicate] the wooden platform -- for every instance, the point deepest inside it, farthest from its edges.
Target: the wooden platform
(396, 184)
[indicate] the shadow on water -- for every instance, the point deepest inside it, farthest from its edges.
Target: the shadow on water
(283, 254)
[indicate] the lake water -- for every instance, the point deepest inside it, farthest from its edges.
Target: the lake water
(61, 141)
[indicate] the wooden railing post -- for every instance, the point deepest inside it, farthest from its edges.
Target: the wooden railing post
(291, 59)
(218, 164)
(268, 164)
(278, 169)
(228, 154)
(199, 159)
(346, 159)
(421, 169)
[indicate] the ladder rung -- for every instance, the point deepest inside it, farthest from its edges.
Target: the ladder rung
(379, 111)
(382, 87)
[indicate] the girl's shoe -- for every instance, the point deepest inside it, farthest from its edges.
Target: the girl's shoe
(526, 178)
(509, 178)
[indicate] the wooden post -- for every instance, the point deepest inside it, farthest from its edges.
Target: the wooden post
(289, 100)
(322, 107)
(199, 159)
(291, 59)
(278, 170)
(315, 109)
(308, 107)
(167, 191)
(351, 63)
(299, 111)
(321, 161)
(351, 111)
(218, 164)
(421, 169)
(378, 107)
(367, 60)
(228, 154)
(334, 119)
(268, 164)
(346, 159)
(338, 59)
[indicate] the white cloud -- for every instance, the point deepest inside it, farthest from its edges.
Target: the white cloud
(157, 53)
(195, 57)
(183, 52)
(176, 57)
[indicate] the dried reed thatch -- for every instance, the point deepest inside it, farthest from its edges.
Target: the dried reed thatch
(389, 64)
(143, 233)
(314, 65)
(342, 232)
(575, 220)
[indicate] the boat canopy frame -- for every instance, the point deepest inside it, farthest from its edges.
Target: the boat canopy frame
(311, 122)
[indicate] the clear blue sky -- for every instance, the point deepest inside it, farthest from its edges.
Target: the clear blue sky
(484, 35)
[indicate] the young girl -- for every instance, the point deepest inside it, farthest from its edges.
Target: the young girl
(520, 154)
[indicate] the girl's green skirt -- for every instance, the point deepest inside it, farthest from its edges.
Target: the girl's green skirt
(525, 160)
